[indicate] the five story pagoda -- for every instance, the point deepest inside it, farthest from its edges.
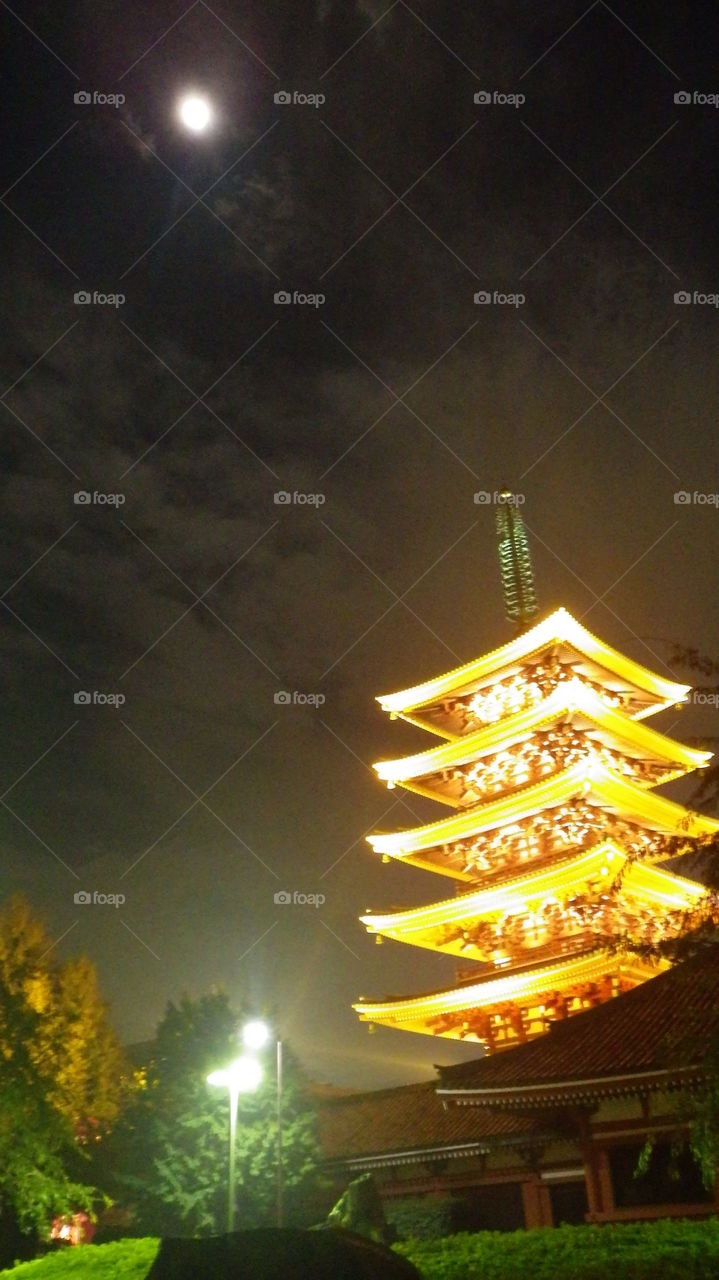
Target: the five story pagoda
(554, 834)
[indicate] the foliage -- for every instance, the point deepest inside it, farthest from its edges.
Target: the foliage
(670, 1248)
(126, 1260)
(60, 1072)
(422, 1217)
(171, 1146)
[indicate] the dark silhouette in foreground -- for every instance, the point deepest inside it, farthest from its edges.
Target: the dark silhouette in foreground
(272, 1254)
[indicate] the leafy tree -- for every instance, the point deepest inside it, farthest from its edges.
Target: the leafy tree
(60, 1073)
(171, 1147)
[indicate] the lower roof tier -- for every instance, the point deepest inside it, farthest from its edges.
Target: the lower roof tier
(500, 1012)
(563, 812)
(591, 895)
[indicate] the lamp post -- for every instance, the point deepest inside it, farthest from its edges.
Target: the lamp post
(255, 1035)
(242, 1076)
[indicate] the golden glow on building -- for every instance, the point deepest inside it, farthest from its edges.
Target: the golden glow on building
(555, 831)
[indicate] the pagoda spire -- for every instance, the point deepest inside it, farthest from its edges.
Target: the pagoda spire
(515, 562)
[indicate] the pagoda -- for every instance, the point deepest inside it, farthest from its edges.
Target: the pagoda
(554, 831)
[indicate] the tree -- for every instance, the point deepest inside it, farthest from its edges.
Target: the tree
(171, 1147)
(61, 1071)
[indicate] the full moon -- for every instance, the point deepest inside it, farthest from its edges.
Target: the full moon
(195, 113)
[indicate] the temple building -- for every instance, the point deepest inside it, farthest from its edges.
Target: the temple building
(553, 1131)
(552, 830)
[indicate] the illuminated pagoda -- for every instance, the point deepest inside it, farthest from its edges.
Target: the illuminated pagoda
(554, 832)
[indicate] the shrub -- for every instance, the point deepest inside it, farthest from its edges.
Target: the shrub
(673, 1249)
(421, 1217)
(126, 1260)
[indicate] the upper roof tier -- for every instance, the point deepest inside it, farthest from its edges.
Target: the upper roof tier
(559, 647)
(572, 721)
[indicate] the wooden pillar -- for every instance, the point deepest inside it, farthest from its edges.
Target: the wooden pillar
(536, 1204)
(600, 1197)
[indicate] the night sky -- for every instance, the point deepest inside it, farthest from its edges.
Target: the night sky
(381, 411)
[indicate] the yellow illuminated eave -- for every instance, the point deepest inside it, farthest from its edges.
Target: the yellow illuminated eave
(417, 1013)
(570, 696)
(592, 781)
(559, 627)
(420, 926)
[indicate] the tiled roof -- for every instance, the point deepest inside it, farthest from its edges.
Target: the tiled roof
(663, 1025)
(409, 1119)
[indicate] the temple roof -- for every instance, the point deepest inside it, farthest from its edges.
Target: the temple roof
(588, 779)
(571, 702)
(440, 925)
(649, 1037)
(449, 1012)
(392, 1126)
(561, 633)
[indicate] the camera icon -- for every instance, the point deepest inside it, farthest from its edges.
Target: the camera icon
(283, 897)
(681, 497)
(83, 297)
(283, 97)
(483, 297)
(82, 699)
(283, 297)
(282, 498)
(682, 97)
(82, 498)
(483, 97)
(682, 298)
(482, 498)
(283, 698)
(82, 897)
(82, 96)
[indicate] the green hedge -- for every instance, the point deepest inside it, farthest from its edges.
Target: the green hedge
(670, 1249)
(125, 1260)
(666, 1250)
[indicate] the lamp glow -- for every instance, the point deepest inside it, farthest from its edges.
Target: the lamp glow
(242, 1075)
(255, 1034)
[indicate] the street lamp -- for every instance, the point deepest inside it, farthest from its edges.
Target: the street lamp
(255, 1035)
(242, 1076)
